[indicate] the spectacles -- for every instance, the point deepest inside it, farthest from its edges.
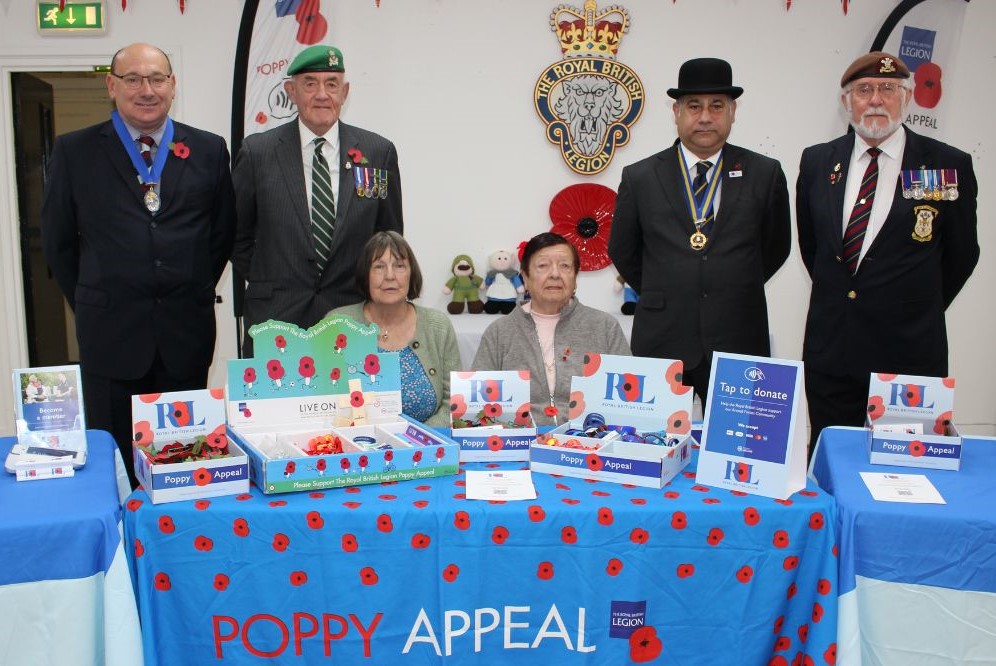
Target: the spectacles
(867, 90)
(134, 81)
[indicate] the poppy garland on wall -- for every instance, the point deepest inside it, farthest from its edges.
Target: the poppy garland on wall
(124, 5)
(583, 215)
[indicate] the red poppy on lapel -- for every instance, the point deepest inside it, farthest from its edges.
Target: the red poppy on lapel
(356, 155)
(180, 149)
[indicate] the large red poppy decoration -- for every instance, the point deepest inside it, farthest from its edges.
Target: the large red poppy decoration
(583, 215)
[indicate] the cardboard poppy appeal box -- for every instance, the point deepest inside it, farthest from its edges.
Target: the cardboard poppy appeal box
(630, 422)
(181, 448)
(911, 422)
(489, 415)
(334, 422)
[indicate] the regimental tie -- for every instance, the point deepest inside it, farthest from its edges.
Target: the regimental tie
(322, 205)
(854, 234)
(145, 144)
(699, 187)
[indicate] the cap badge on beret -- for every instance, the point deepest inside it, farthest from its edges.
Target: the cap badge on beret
(333, 58)
(886, 66)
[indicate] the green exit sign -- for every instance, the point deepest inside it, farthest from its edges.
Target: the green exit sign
(75, 17)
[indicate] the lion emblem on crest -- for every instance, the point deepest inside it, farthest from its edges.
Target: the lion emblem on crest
(589, 105)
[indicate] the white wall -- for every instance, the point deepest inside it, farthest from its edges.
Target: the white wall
(450, 81)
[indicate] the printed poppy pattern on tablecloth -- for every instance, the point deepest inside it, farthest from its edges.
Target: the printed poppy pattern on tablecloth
(387, 550)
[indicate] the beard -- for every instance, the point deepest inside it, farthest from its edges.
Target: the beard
(875, 133)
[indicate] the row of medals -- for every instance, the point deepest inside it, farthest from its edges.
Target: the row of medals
(370, 183)
(950, 193)
(930, 184)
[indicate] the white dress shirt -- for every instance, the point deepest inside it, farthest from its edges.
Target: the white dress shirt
(330, 149)
(890, 163)
(692, 161)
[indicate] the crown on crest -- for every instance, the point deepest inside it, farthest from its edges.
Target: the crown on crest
(589, 32)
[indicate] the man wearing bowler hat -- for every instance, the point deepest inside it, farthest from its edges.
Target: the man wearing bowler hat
(309, 195)
(698, 229)
(887, 230)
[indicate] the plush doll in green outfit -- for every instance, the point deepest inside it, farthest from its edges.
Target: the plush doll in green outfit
(465, 286)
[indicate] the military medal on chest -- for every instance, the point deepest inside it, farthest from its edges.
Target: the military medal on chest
(930, 184)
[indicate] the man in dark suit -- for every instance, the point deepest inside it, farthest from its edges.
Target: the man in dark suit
(698, 229)
(297, 243)
(888, 245)
(138, 242)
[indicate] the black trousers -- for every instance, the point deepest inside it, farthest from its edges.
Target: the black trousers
(834, 400)
(698, 378)
(108, 402)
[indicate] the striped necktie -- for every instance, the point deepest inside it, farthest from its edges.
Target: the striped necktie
(145, 144)
(857, 225)
(322, 205)
(699, 187)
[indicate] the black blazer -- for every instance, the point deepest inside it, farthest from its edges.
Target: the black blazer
(274, 247)
(695, 302)
(889, 317)
(139, 283)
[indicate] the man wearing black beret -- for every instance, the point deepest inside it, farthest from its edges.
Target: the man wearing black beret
(698, 229)
(887, 230)
(309, 195)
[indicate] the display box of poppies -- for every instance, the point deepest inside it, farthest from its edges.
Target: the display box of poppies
(489, 415)
(334, 422)
(334, 457)
(911, 422)
(630, 422)
(181, 448)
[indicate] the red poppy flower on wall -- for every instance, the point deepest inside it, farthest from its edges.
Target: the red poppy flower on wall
(583, 215)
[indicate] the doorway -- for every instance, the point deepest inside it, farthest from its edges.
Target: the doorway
(45, 105)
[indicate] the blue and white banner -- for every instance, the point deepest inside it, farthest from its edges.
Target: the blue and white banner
(926, 39)
(280, 30)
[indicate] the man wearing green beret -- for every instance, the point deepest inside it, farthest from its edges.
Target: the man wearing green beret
(310, 194)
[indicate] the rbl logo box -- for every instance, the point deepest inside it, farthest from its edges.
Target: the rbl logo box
(911, 422)
(164, 421)
(489, 415)
(645, 394)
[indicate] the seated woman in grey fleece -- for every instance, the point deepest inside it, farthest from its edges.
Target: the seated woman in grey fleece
(549, 335)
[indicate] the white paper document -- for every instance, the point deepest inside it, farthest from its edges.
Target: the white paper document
(911, 488)
(500, 485)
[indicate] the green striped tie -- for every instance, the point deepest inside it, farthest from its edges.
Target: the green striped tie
(322, 205)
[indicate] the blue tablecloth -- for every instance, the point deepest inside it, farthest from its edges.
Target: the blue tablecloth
(917, 581)
(949, 545)
(65, 594)
(593, 573)
(57, 529)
